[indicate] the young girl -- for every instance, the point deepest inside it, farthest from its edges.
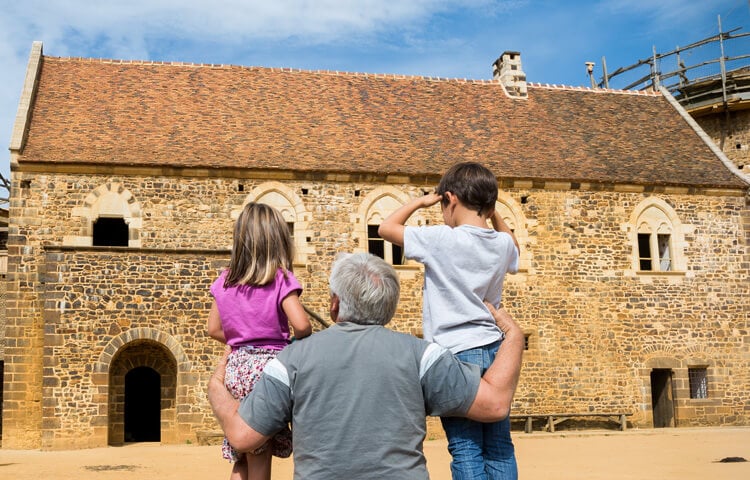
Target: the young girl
(255, 301)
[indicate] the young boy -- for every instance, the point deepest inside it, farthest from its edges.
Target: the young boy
(465, 265)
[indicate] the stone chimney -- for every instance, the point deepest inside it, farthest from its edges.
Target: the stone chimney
(507, 69)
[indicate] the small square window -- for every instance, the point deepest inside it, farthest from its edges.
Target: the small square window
(698, 378)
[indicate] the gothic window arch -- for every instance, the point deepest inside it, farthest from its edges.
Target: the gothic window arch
(285, 200)
(513, 216)
(110, 217)
(657, 238)
(375, 207)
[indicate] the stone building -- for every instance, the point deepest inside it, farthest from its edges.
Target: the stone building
(127, 177)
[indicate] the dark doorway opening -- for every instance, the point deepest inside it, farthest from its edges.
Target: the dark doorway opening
(142, 405)
(662, 399)
(110, 232)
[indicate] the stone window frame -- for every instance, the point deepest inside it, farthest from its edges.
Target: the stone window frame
(285, 200)
(110, 200)
(514, 217)
(698, 373)
(374, 208)
(655, 217)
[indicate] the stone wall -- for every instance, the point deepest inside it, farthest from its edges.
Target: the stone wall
(731, 132)
(596, 325)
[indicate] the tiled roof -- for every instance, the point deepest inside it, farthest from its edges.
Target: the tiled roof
(213, 116)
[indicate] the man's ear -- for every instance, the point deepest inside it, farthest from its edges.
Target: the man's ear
(334, 309)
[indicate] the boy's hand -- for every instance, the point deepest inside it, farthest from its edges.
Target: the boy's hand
(429, 200)
(392, 228)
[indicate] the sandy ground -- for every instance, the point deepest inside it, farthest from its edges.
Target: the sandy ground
(636, 454)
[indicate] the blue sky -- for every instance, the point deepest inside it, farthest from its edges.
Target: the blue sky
(441, 38)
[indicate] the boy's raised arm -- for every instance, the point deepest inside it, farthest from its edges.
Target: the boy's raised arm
(392, 228)
(499, 224)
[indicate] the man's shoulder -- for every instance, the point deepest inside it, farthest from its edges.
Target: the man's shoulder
(384, 337)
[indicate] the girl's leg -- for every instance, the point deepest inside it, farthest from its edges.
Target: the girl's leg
(259, 466)
(239, 470)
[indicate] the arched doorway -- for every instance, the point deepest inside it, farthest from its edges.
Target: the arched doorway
(142, 393)
(142, 405)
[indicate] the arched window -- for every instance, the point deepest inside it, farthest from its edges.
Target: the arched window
(111, 217)
(513, 216)
(290, 205)
(112, 232)
(657, 238)
(374, 209)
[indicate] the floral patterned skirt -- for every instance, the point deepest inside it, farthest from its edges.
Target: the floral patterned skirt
(244, 367)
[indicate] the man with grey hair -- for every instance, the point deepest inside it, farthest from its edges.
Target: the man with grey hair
(357, 394)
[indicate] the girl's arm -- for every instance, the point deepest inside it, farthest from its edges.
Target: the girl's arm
(214, 324)
(297, 316)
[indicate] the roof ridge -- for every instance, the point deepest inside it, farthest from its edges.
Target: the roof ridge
(593, 90)
(394, 76)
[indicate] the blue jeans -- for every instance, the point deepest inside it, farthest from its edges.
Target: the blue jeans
(480, 450)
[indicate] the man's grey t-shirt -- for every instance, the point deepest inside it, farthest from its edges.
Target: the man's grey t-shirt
(357, 397)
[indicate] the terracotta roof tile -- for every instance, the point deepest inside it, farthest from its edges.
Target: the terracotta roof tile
(214, 116)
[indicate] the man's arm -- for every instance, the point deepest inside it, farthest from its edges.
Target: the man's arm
(498, 384)
(392, 228)
(239, 434)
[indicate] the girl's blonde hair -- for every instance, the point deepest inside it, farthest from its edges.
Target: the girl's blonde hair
(262, 245)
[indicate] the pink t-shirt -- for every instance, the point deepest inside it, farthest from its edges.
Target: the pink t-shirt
(253, 315)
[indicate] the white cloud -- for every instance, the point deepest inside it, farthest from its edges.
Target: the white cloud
(143, 29)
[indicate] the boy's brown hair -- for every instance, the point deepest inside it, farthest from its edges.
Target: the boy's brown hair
(473, 184)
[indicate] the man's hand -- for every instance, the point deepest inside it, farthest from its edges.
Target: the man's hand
(221, 368)
(240, 435)
(503, 320)
(498, 384)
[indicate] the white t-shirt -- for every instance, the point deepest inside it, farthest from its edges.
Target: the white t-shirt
(464, 266)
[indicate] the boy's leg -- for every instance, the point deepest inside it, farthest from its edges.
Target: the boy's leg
(465, 446)
(465, 436)
(259, 465)
(498, 451)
